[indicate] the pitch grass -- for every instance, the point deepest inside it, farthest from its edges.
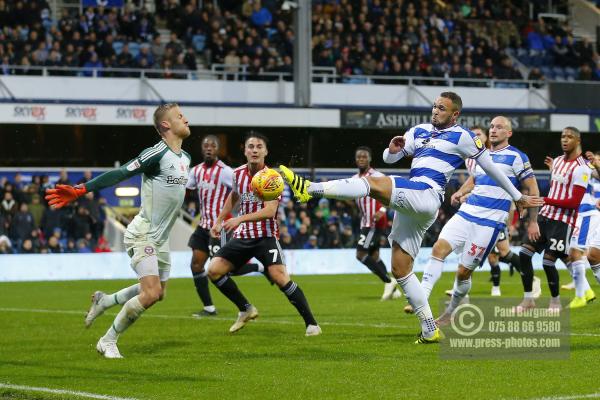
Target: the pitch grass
(366, 350)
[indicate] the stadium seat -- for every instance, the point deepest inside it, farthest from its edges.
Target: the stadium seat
(118, 46)
(547, 71)
(134, 48)
(198, 41)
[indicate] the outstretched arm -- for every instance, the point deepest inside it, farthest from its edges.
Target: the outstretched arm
(65, 194)
(485, 161)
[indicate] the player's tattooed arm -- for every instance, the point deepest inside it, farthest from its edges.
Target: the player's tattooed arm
(531, 188)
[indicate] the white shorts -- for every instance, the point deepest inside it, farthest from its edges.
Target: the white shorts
(471, 241)
(416, 207)
(139, 250)
(586, 232)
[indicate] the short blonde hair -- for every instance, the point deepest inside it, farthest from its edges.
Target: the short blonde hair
(160, 113)
(507, 120)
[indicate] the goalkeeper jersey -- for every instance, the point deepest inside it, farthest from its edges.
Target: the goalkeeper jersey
(164, 176)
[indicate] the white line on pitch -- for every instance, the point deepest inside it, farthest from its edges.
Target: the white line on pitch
(62, 391)
(267, 321)
(570, 397)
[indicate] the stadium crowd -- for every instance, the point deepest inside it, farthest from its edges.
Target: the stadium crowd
(28, 225)
(462, 39)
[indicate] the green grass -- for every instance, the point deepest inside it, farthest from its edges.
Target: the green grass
(366, 350)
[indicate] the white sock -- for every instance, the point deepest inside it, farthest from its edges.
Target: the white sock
(120, 297)
(461, 289)
(528, 295)
(579, 277)
(417, 299)
(210, 308)
(341, 189)
(596, 271)
(431, 274)
(586, 265)
(569, 266)
(130, 312)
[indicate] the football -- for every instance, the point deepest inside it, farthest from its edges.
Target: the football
(267, 184)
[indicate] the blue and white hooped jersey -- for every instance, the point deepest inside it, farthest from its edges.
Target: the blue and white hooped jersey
(590, 198)
(437, 153)
(488, 204)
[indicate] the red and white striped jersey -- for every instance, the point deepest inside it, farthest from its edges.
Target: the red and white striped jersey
(565, 174)
(213, 182)
(248, 204)
(369, 206)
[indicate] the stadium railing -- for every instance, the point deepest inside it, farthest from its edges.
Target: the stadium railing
(243, 73)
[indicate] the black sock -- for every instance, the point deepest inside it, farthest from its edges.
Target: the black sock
(495, 270)
(201, 283)
(552, 276)
(513, 260)
(230, 290)
(376, 267)
(246, 269)
(296, 296)
(526, 269)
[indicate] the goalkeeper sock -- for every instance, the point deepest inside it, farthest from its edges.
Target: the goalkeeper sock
(341, 189)
(416, 298)
(431, 274)
(120, 297)
(130, 312)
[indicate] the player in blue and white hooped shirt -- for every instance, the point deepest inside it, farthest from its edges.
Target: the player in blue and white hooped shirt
(473, 231)
(437, 149)
(593, 243)
(454, 235)
(586, 229)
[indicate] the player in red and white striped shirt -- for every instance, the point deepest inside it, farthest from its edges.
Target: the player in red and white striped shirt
(373, 222)
(255, 235)
(570, 177)
(213, 180)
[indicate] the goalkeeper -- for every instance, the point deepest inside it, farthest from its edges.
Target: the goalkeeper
(165, 169)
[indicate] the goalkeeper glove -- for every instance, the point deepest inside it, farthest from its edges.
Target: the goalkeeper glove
(64, 194)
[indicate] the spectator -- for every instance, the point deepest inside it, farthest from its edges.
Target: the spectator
(71, 247)
(102, 246)
(312, 243)
(93, 67)
(8, 205)
(21, 224)
(27, 247)
(261, 16)
(83, 246)
(5, 245)
(54, 245)
(81, 223)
